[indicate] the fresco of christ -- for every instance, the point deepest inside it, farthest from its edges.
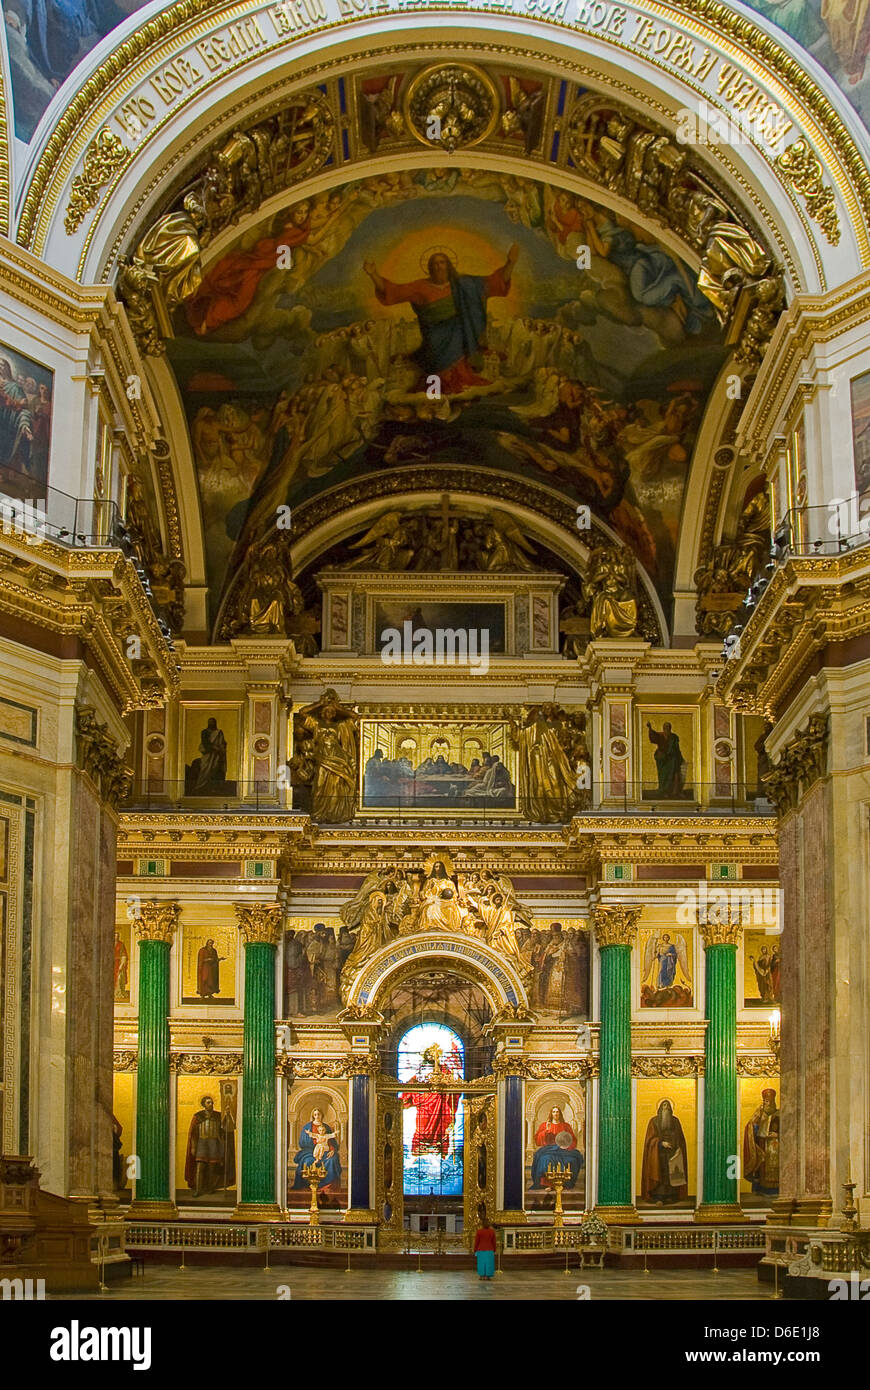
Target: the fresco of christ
(451, 312)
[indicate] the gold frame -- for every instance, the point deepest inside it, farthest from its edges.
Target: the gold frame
(510, 760)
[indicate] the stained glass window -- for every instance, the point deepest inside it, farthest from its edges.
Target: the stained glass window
(430, 1054)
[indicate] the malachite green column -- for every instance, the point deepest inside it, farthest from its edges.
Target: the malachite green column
(616, 932)
(721, 1159)
(155, 926)
(261, 930)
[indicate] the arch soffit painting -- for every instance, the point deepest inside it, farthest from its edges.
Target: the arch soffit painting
(400, 960)
(619, 63)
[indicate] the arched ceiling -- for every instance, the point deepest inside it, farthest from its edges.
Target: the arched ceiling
(601, 377)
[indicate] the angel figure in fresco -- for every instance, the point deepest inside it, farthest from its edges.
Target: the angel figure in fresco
(451, 312)
(663, 956)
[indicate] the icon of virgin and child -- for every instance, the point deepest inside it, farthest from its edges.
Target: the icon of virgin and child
(318, 1143)
(451, 313)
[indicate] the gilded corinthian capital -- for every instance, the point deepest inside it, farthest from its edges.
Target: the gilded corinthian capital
(259, 923)
(157, 921)
(615, 925)
(716, 932)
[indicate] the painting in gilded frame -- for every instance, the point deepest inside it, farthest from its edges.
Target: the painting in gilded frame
(211, 750)
(26, 390)
(759, 1140)
(666, 969)
(317, 1122)
(488, 618)
(667, 740)
(207, 1140)
(450, 765)
(555, 1138)
(761, 970)
(208, 964)
(666, 1109)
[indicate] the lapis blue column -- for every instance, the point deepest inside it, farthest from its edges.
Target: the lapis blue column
(512, 1195)
(360, 1133)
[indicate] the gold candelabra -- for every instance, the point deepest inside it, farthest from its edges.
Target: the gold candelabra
(314, 1173)
(557, 1176)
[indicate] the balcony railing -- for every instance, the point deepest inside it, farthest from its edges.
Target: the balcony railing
(635, 798)
(35, 512)
(830, 530)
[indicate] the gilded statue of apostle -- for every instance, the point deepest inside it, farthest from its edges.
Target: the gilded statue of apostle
(332, 743)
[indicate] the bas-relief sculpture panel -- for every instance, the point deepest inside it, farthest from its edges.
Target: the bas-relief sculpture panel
(591, 380)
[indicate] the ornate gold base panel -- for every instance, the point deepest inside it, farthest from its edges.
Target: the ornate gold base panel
(152, 1211)
(718, 1213)
(258, 1211)
(618, 1216)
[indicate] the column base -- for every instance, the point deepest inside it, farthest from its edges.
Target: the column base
(152, 1211)
(361, 1216)
(812, 1211)
(613, 1215)
(719, 1213)
(510, 1218)
(258, 1211)
(782, 1213)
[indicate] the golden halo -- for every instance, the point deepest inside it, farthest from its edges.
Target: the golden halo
(439, 856)
(434, 250)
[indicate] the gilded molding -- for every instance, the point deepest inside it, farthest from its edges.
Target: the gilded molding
(259, 923)
(206, 1063)
(363, 1064)
(125, 1059)
(615, 925)
(667, 1066)
(104, 157)
(317, 1068)
(157, 921)
(757, 1066)
(803, 170)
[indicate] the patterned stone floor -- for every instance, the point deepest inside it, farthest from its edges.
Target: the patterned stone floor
(400, 1286)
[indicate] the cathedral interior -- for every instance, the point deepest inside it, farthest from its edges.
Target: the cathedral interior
(435, 620)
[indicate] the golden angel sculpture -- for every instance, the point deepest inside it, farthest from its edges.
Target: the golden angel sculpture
(395, 902)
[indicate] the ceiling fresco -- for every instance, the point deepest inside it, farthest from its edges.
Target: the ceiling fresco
(449, 317)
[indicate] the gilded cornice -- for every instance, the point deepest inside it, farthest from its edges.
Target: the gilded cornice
(810, 603)
(615, 925)
(802, 762)
(698, 839)
(96, 596)
(260, 924)
(156, 920)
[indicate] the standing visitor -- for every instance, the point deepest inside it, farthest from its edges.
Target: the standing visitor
(484, 1249)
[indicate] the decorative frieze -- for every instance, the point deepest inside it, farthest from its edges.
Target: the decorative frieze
(206, 1063)
(667, 1066)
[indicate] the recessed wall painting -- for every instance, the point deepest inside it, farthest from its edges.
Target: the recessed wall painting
(559, 957)
(759, 1129)
(211, 750)
(46, 40)
(316, 1146)
(587, 382)
(762, 959)
(667, 969)
(666, 1142)
(451, 766)
(207, 1123)
(432, 618)
(123, 1139)
(315, 953)
(860, 396)
(667, 747)
(121, 962)
(555, 1139)
(26, 391)
(208, 964)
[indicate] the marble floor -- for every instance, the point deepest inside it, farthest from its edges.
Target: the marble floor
(326, 1285)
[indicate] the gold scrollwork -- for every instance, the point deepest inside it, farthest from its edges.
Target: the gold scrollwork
(259, 923)
(157, 921)
(104, 157)
(803, 169)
